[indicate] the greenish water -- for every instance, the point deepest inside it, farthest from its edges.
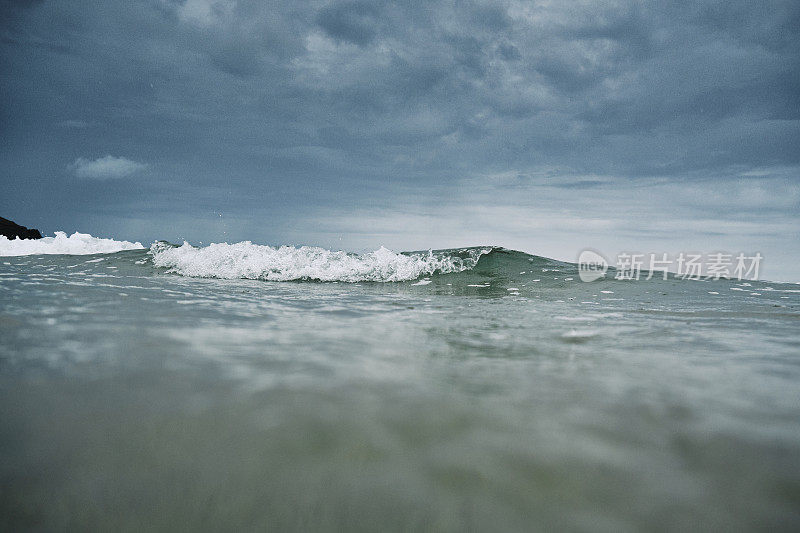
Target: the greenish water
(509, 396)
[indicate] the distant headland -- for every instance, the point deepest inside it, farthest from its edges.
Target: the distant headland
(12, 230)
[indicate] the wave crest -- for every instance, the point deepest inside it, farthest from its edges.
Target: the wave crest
(285, 263)
(75, 244)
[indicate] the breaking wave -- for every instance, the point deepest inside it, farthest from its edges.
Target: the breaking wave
(75, 244)
(245, 260)
(480, 266)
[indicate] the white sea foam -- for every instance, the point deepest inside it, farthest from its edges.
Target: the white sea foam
(252, 261)
(75, 244)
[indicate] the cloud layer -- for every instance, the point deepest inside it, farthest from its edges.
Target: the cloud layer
(275, 113)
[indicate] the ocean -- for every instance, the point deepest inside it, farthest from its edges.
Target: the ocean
(246, 387)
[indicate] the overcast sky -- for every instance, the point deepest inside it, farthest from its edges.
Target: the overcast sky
(542, 126)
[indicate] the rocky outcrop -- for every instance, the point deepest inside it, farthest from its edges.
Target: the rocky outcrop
(11, 230)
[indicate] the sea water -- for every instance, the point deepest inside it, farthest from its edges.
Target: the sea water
(246, 387)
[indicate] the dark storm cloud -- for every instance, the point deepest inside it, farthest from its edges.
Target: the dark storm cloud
(354, 22)
(307, 105)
